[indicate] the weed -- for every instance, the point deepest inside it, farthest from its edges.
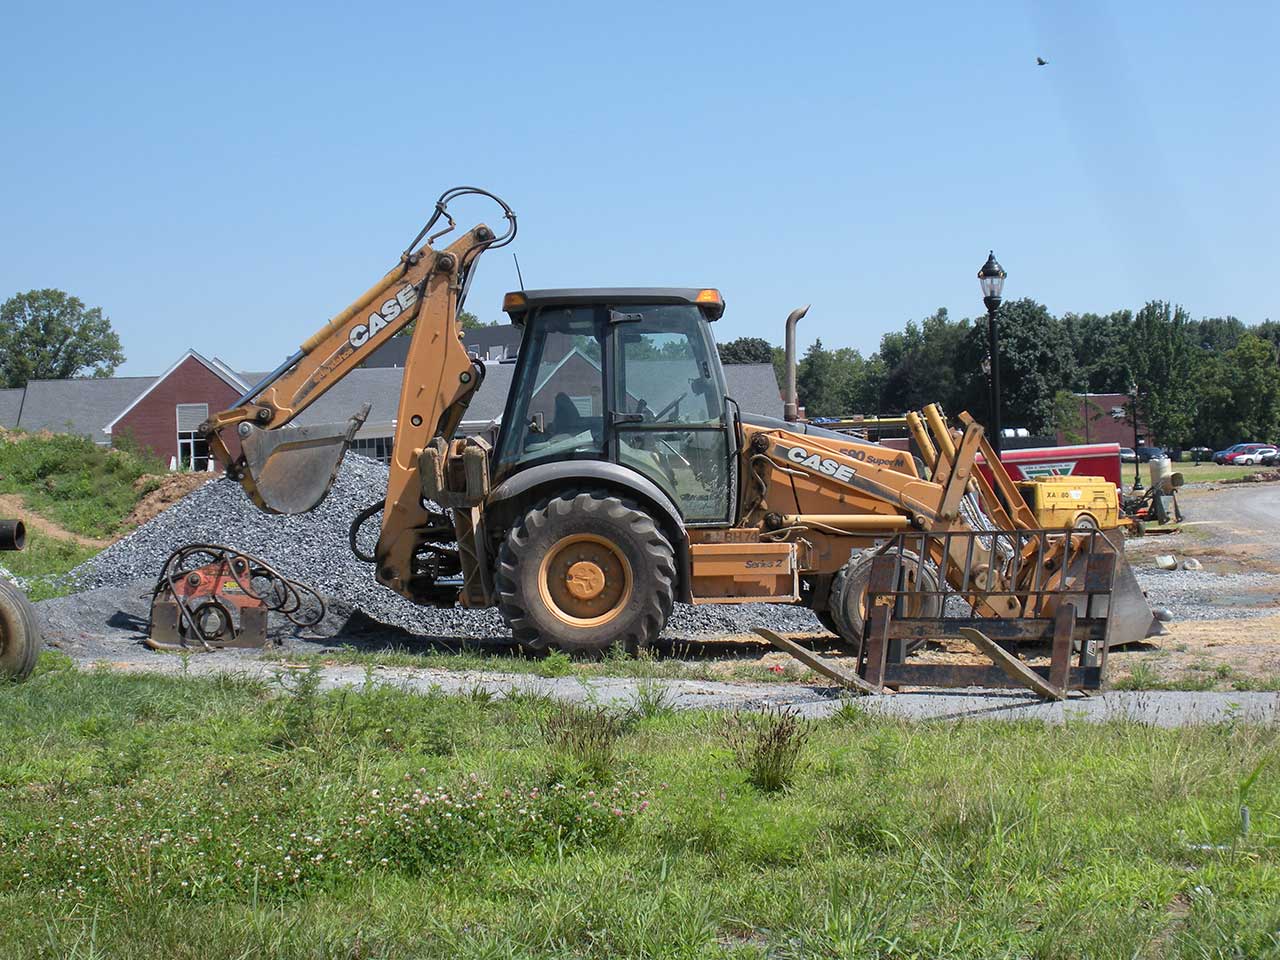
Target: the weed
(768, 746)
(582, 739)
(1261, 684)
(122, 760)
(850, 713)
(651, 699)
(557, 663)
(1142, 676)
(298, 715)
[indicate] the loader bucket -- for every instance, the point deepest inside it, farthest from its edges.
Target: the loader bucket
(293, 468)
(1131, 618)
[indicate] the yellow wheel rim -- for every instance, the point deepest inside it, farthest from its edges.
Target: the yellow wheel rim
(585, 580)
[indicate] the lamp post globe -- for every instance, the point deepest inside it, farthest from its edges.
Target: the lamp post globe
(991, 278)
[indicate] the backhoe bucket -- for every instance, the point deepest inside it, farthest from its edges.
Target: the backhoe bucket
(293, 468)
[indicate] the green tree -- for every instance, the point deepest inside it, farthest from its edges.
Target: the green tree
(820, 382)
(1068, 417)
(1036, 362)
(1163, 360)
(1100, 347)
(51, 335)
(919, 364)
(746, 350)
(1216, 334)
(1239, 394)
(863, 388)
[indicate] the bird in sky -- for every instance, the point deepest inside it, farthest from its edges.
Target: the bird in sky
(1041, 62)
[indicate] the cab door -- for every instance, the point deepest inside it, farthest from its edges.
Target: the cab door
(668, 419)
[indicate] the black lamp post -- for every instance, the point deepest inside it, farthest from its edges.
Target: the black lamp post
(991, 277)
(1137, 459)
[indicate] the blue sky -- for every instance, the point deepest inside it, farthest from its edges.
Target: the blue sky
(228, 176)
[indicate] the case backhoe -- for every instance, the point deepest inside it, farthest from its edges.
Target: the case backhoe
(622, 478)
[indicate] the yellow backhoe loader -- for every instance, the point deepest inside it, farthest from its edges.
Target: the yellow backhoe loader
(623, 478)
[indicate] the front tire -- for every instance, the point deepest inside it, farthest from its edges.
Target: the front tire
(849, 595)
(19, 634)
(585, 571)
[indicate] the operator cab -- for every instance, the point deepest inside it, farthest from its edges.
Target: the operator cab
(629, 376)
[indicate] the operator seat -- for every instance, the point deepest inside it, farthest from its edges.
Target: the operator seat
(567, 418)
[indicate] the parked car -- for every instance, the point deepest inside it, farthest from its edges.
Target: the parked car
(1251, 458)
(1221, 455)
(1127, 455)
(1236, 457)
(1147, 454)
(1271, 459)
(1200, 453)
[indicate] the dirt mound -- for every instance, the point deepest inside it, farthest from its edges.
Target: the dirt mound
(167, 490)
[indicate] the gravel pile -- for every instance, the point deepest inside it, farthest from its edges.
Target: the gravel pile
(1201, 595)
(313, 549)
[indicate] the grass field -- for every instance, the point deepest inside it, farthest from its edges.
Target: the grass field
(181, 818)
(1196, 472)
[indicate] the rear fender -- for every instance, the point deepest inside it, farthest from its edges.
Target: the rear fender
(515, 494)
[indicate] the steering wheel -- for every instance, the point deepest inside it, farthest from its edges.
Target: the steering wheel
(670, 406)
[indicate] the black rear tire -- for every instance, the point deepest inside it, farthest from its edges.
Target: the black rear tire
(585, 571)
(20, 640)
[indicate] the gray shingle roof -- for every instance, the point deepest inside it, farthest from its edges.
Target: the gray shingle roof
(755, 387)
(10, 404)
(379, 386)
(82, 406)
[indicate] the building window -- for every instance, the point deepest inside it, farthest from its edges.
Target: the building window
(375, 448)
(193, 449)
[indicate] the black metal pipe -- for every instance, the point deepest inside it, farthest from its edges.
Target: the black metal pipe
(993, 348)
(13, 535)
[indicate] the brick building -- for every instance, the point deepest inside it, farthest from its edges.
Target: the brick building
(166, 416)
(1098, 424)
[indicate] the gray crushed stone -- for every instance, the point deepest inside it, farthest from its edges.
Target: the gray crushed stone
(313, 548)
(1201, 595)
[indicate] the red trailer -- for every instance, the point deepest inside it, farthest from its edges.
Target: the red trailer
(1081, 460)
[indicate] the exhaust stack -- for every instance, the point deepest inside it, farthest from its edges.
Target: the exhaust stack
(791, 402)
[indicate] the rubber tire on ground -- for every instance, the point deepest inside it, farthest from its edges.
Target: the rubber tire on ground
(20, 641)
(848, 594)
(828, 621)
(628, 528)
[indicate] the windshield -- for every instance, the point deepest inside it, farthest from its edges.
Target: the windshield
(555, 409)
(667, 374)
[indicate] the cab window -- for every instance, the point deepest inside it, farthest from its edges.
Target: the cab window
(556, 407)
